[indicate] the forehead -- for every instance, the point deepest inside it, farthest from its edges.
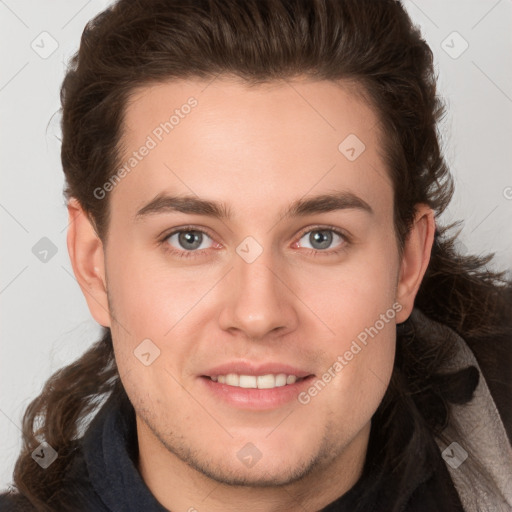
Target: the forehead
(249, 145)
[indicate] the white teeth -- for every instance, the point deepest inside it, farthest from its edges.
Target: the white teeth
(248, 381)
(232, 379)
(281, 380)
(291, 379)
(268, 381)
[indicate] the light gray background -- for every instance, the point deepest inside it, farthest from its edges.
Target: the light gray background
(45, 320)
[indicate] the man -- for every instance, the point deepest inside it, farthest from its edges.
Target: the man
(252, 189)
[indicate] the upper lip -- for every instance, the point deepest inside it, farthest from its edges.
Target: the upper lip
(248, 368)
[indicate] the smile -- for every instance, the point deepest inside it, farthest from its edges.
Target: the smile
(268, 381)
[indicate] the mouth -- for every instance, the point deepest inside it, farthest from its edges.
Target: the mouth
(255, 392)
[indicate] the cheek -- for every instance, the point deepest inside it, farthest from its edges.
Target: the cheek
(147, 296)
(353, 296)
(152, 302)
(358, 305)
(362, 371)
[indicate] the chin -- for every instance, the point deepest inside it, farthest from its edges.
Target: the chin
(260, 475)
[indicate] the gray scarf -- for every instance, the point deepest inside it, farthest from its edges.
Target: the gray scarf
(474, 445)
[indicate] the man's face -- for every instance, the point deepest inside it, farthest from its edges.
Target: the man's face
(256, 293)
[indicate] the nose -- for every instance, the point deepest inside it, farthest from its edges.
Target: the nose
(257, 299)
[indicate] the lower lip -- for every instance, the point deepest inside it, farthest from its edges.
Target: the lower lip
(256, 399)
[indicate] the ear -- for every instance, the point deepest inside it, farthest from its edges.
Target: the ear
(88, 261)
(415, 259)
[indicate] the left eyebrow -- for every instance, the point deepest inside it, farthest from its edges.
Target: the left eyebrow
(163, 203)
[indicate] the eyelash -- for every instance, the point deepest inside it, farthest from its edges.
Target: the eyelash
(198, 253)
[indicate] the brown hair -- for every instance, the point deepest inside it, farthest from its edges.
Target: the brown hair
(370, 43)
